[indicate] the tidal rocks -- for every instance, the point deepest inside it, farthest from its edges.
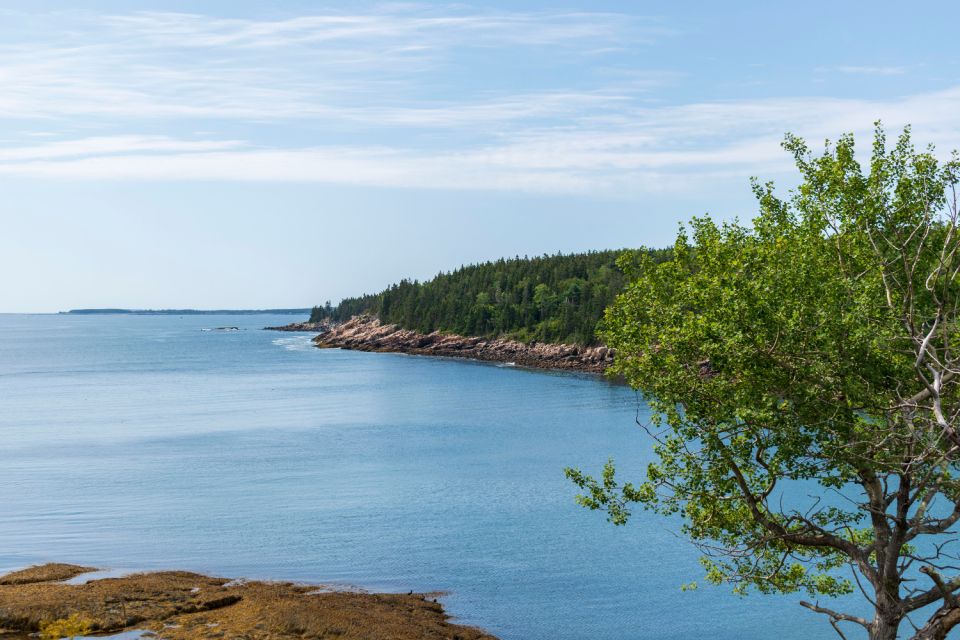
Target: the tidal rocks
(177, 605)
(52, 572)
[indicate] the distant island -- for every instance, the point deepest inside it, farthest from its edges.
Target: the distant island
(187, 312)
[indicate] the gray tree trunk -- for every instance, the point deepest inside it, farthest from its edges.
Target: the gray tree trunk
(884, 628)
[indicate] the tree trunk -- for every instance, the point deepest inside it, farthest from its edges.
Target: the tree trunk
(884, 628)
(887, 615)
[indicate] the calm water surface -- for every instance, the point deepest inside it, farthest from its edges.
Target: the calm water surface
(145, 442)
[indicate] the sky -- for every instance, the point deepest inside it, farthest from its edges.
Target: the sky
(246, 154)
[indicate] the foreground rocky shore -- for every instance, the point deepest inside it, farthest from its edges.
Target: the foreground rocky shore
(177, 605)
(366, 333)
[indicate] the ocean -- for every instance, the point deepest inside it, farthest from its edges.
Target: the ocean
(160, 442)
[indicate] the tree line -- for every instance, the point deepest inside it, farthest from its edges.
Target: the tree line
(549, 298)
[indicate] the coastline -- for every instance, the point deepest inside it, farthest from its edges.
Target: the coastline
(179, 605)
(366, 333)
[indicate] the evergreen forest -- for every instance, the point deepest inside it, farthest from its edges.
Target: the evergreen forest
(550, 298)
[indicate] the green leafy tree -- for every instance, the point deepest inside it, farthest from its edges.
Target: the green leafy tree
(803, 379)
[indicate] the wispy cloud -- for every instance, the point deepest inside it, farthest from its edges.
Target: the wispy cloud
(351, 98)
(361, 67)
(872, 70)
(111, 145)
(646, 150)
(406, 26)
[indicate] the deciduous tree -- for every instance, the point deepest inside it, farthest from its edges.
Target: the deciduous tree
(803, 376)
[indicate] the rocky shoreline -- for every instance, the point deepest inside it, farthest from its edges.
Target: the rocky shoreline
(366, 333)
(177, 605)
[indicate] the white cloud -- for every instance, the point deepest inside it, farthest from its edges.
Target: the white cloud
(344, 98)
(109, 145)
(873, 71)
(407, 26)
(653, 149)
(352, 67)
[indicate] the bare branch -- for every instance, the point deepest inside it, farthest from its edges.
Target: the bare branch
(836, 616)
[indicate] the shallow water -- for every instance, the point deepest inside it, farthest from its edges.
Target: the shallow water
(146, 442)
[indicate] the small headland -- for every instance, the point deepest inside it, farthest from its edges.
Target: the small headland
(177, 605)
(310, 327)
(367, 333)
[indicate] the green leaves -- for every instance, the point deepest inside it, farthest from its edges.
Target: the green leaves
(607, 495)
(778, 356)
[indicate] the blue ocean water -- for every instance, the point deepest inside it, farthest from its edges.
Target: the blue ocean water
(146, 442)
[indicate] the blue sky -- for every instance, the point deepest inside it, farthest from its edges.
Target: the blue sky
(249, 154)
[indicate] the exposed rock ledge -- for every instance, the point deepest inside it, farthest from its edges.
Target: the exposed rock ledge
(176, 605)
(366, 333)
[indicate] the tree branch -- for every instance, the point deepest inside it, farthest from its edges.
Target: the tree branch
(945, 591)
(836, 616)
(936, 593)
